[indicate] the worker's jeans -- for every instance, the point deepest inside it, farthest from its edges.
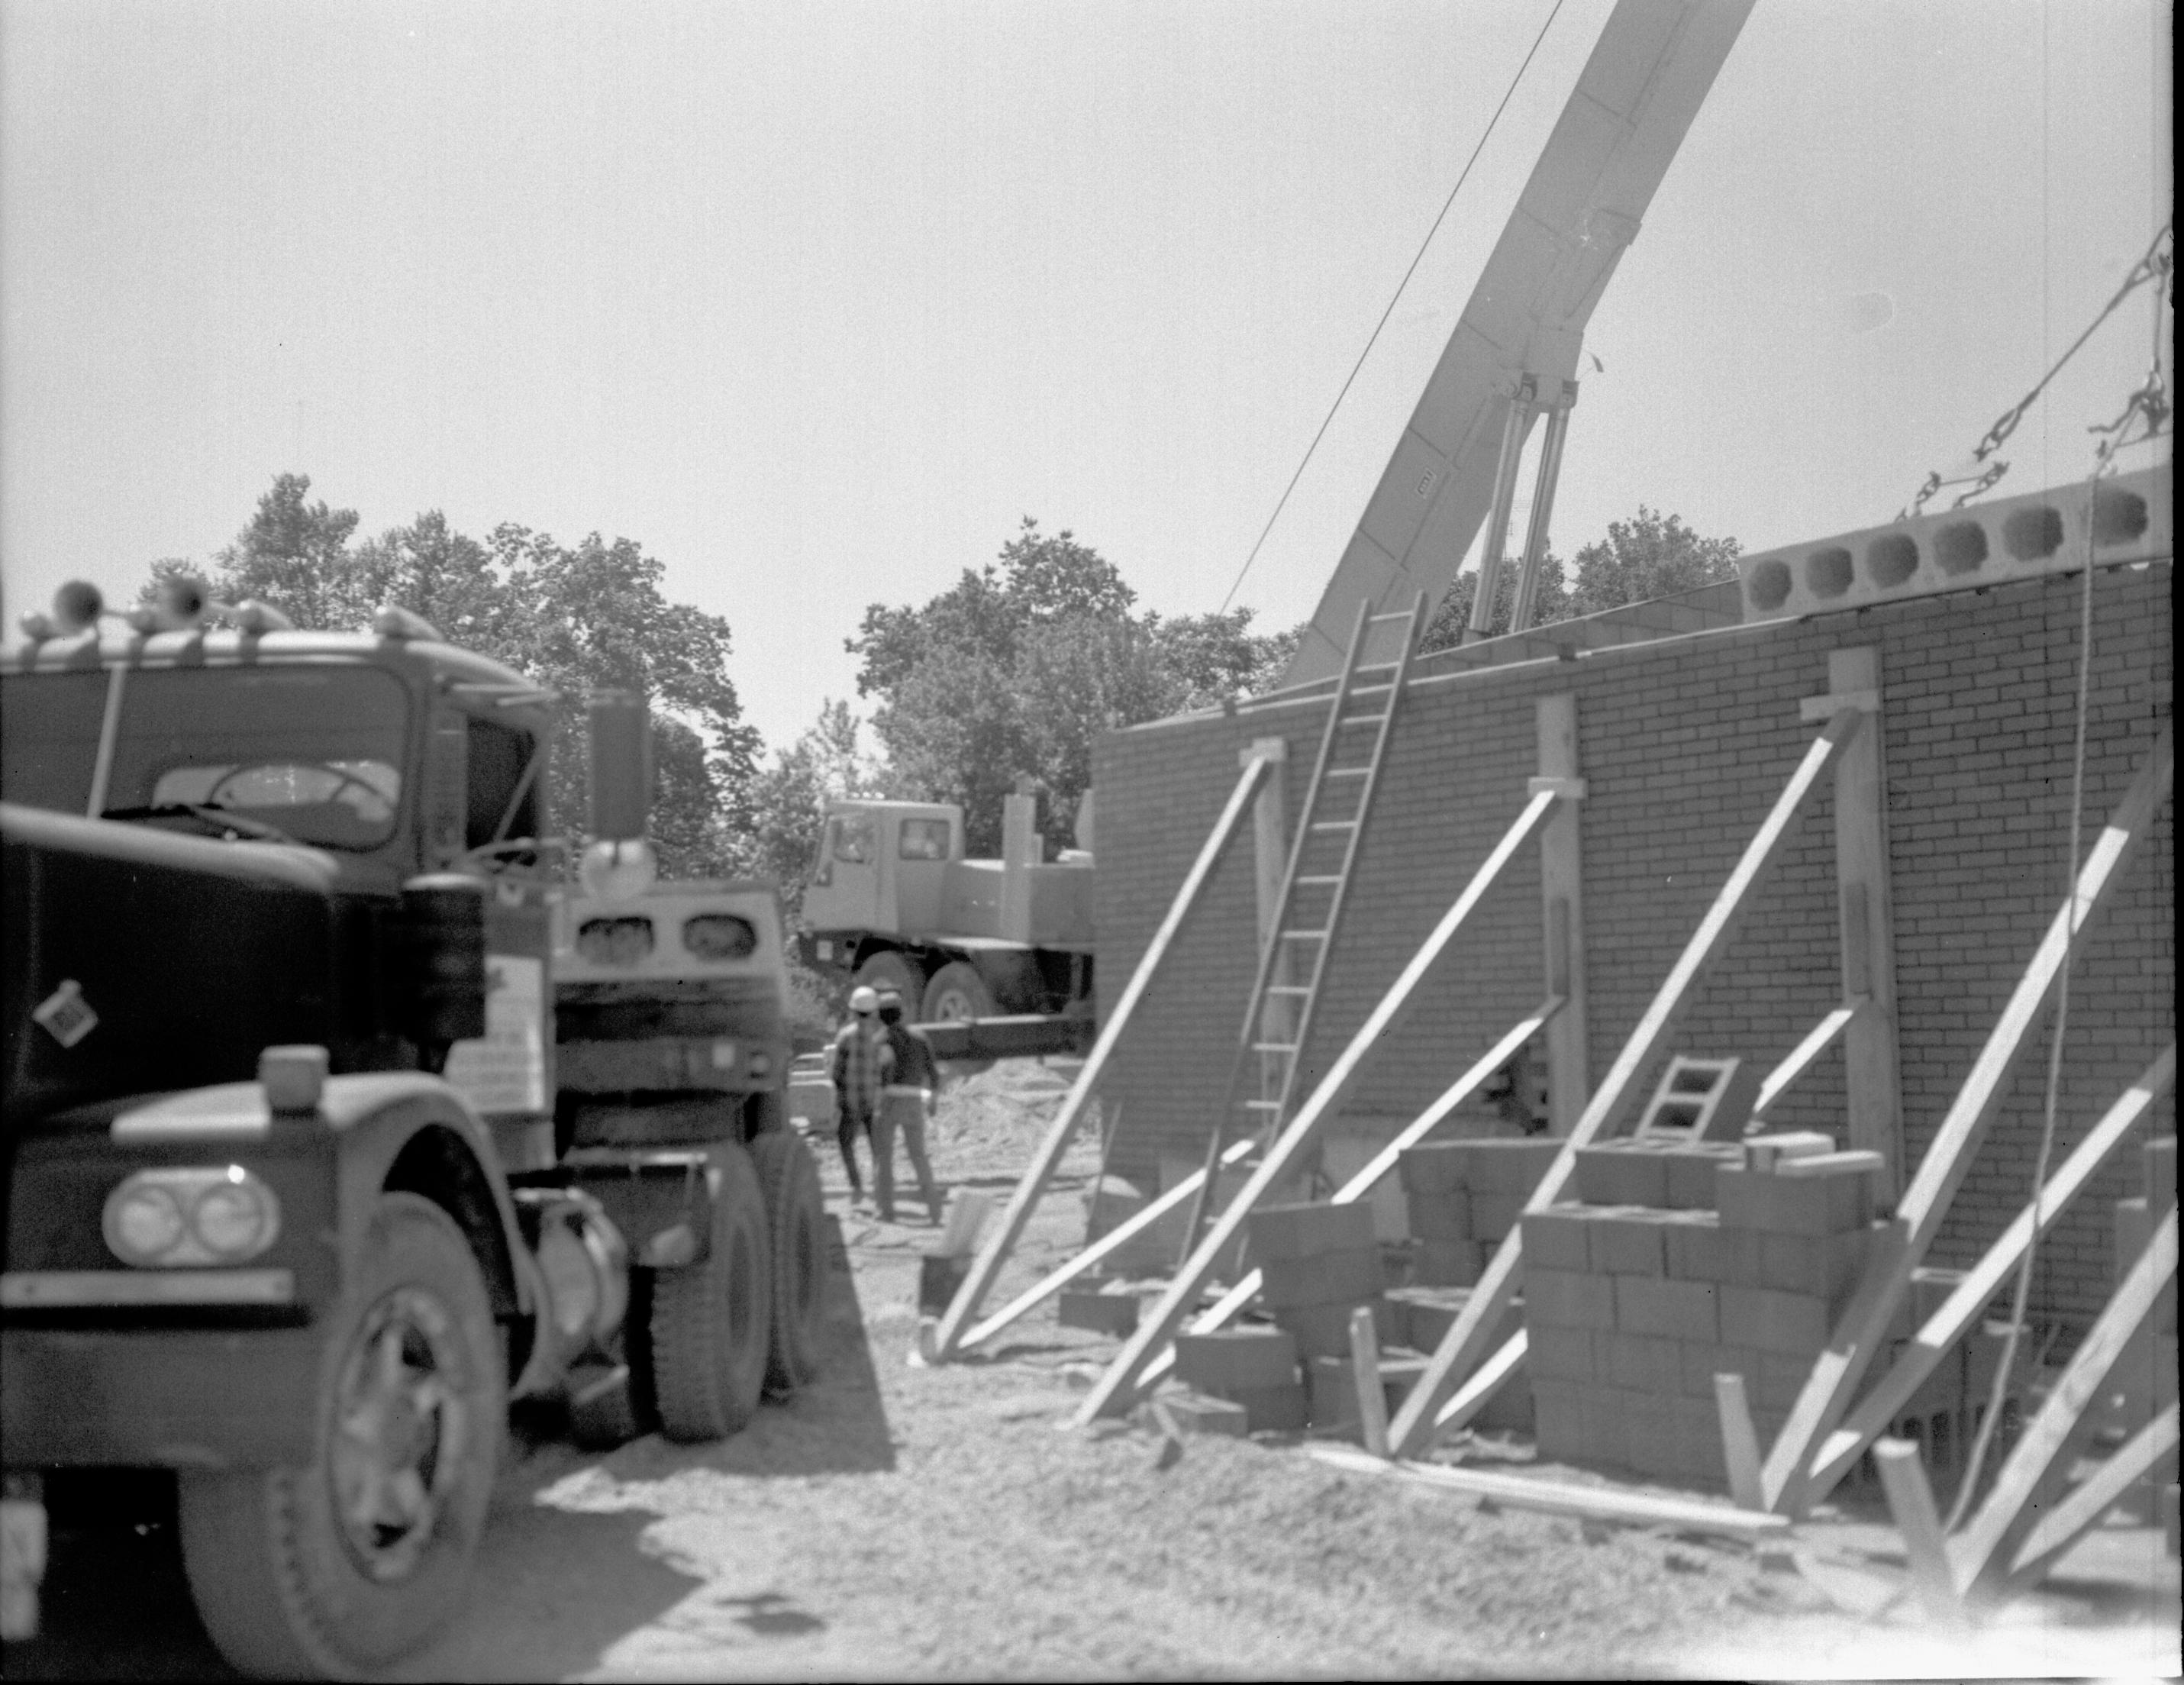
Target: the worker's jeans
(901, 1109)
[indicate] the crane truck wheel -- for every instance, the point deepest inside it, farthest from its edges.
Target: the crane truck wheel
(343, 1566)
(708, 1320)
(892, 968)
(797, 1221)
(957, 991)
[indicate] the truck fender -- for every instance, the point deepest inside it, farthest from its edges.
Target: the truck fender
(408, 1131)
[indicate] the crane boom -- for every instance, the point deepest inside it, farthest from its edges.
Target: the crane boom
(1514, 352)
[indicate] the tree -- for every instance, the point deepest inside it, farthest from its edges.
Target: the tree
(574, 619)
(1015, 669)
(780, 815)
(1649, 555)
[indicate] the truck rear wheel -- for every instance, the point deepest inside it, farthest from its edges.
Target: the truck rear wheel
(892, 968)
(344, 1565)
(790, 1181)
(958, 992)
(709, 1319)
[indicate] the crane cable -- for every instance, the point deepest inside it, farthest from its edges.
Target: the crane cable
(2149, 400)
(1374, 338)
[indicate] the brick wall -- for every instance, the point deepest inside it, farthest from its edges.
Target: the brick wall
(1686, 744)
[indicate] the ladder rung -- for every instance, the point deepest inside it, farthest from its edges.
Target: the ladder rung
(1334, 824)
(1369, 690)
(1287, 989)
(1361, 720)
(1273, 1046)
(1263, 1105)
(1349, 771)
(1319, 882)
(1304, 935)
(1400, 614)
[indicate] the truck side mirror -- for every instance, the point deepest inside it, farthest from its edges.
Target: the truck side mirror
(621, 766)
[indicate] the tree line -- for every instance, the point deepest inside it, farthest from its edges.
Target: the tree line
(1012, 671)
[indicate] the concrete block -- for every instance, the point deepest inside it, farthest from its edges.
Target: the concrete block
(1644, 1363)
(1556, 1238)
(1425, 1315)
(1563, 1354)
(1771, 1321)
(1282, 1231)
(1344, 1156)
(1494, 1215)
(1622, 1173)
(1674, 1310)
(1323, 1330)
(1649, 1431)
(1776, 1204)
(1627, 1240)
(1221, 1362)
(1350, 1276)
(1696, 1457)
(1825, 1266)
(1511, 1167)
(1695, 1250)
(1272, 1410)
(1565, 1298)
(1558, 1418)
(1446, 1263)
(1444, 1217)
(1781, 1377)
(1766, 1152)
(1607, 1421)
(1510, 1410)
(1689, 1172)
(1197, 1412)
(1099, 1313)
(1703, 1360)
(938, 1278)
(1439, 1167)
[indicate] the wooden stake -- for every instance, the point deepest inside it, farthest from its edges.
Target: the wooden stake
(1884, 1402)
(1740, 1444)
(1911, 1502)
(1365, 1370)
(1982, 1554)
(1562, 910)
(1465, 1342)
(1800, 1059)
(984, 1273)
(1110, 1396)
(1863, 1328)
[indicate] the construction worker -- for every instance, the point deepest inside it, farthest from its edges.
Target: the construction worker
(860, 1063)
(904, 1098)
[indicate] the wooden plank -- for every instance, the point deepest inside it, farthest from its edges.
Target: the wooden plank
(1591, 1504)
(1740, 1443)
(2070, 1520)
(1911, 1502)
(1884, 1402)
(1110, 1396)
(1465, 1342)
(1801, 1058)
(1562, 912)
(1365, 1371)
(980, 1280)
(1358, 1186)
(1109, 1243)
(1862, 1328)
(1871, 1079)
(1982, 1552)
(1489, 1379)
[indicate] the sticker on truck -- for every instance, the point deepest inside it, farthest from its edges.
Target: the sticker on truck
(504, 1070)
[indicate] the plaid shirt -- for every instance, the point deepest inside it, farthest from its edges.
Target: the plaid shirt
(862, 1063)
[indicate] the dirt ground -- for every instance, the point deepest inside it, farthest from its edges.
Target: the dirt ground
(896, 1521)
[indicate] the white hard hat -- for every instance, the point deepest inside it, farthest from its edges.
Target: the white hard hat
(863, 1000)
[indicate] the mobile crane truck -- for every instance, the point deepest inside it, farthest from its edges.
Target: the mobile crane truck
(332, 1122)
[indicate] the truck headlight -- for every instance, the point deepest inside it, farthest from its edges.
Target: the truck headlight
(165, 1218)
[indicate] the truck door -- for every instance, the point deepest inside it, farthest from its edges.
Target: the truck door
(923, 844)
(846, 890)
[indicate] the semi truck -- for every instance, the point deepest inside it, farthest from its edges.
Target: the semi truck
(993, 956)
(334, 1119)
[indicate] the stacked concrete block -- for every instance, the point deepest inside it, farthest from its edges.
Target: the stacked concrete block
(1099, 1304)
(1632, 1308)
(1334, 1402)
(1254, 1367)
(1422, 1316)
(1463, 1198)
(1197, 1412)
(1318, 1264)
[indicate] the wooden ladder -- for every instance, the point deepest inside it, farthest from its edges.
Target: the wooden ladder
(1278, 1021)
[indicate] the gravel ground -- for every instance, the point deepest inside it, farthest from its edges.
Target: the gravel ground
(894, 1521)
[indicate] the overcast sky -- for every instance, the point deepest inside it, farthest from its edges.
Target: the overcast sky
(815, 300)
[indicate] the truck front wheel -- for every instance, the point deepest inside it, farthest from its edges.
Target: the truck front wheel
(797, 1218)
(710, 1319)
(345, 1565)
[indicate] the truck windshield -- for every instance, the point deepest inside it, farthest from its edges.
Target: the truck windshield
(315, 751)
